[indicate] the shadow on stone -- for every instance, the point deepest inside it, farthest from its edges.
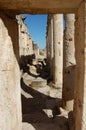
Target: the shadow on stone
(38, 101)
(35, 109)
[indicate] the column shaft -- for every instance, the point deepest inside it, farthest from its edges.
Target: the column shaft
(58, 49)
(48, 46)
(69, 62)
(51, 46)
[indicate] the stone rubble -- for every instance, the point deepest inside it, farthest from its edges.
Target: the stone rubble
(48, 96)
(15, 56)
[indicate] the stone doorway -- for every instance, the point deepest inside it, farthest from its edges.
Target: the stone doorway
(7, 25)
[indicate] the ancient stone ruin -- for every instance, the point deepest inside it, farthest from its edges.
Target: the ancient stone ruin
(47, 91)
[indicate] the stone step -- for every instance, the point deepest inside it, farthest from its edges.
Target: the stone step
(32, 69)
(38, 83)
(27, 78)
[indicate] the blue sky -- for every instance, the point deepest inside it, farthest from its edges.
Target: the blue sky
(37, 28)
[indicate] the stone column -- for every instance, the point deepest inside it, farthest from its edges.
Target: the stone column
(47, 41)
(69, 62)
(10, 93)
(58, 49)
(51, 46)
(80, 87)
(48, 44)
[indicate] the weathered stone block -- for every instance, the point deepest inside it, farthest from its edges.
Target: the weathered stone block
(10, 97)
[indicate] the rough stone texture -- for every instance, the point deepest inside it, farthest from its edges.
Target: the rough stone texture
(41, 105)
(48, 47)
(51, 46)
(30, 45)
(39, 82)
(49, 43)
(28, 78)
(10, 101)
(53, 6)
(80, 87)
(23, 33)
(58, 49)
(32, 69)
(40, 6)
(36, 50)
(25, 43)
(69, 62)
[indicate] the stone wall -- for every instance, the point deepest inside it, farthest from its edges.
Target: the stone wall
(25, 40)
(10, 97)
